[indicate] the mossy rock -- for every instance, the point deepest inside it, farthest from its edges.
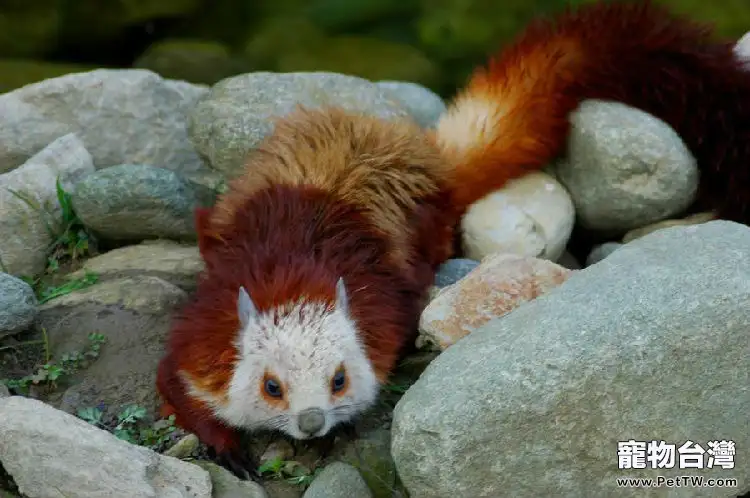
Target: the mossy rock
(455, 29)
(282, 8)
(17, 73)
(370, 454)
(194, 61)
(29, 29)
(457, 74)
(347, 14)
(461, 29)
(224, 21)
(91, 20)
(367, 58)
(730, 18)
(271, 40)
(401, 30)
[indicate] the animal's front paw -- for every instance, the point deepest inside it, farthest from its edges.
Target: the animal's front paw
(239, 464)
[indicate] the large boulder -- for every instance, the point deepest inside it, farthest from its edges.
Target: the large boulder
(650, 343)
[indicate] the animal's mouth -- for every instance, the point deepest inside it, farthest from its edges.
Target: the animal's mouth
(316, 435)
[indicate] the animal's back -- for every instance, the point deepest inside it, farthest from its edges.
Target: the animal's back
(389, 169)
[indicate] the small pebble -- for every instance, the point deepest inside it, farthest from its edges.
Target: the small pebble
(454, 270)
(338, 480)
(184, 448)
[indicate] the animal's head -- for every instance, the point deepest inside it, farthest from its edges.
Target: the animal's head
(302, 368)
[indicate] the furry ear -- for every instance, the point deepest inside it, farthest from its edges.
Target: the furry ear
(246, 309)
(207, 239)
(342, 300)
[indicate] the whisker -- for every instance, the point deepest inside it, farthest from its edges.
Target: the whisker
(275, 423)
(348, 408)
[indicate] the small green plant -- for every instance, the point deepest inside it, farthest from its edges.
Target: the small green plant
(73, 239)
(87, 280)
(49, 373)
(396, 388)
(127, 423)
(70, 238)
(130, 425)
(46, 293)
(288, 470)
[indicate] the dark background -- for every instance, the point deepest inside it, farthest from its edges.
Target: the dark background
(433, 42)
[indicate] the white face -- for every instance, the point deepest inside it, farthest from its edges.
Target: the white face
(302, 369)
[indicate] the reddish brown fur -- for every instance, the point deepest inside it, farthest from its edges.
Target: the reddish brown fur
(289, 242)
(635, 53)
(383, 167)
(190, 413)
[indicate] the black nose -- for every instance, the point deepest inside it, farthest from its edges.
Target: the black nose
(311, 420)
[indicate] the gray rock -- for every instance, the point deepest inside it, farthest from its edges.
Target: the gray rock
(49, 453)
(601, 251)
(147, 294)
(18, 305)
(338, 480)
(693, 219)
(227, 485)
(643, 345)
(30, 214)
(186, 447)
(236, 114)
(424, 105)
(4, 393)
(176, 263)
(625, 168)
(370, 454)
(133, 201)
(24, 131)
(454, 270)
(122, 116)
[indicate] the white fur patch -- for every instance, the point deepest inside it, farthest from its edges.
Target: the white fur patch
(302, 344)
(469, 121)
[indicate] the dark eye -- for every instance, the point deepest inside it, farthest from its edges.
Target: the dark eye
(339, 381)
(272, 388)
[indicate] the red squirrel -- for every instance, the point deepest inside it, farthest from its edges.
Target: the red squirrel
(317, 263)
(319, 256)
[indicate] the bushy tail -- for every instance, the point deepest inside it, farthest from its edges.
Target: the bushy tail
(512, 117)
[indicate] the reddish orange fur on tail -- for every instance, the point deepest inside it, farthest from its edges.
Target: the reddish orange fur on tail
(512, 117)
